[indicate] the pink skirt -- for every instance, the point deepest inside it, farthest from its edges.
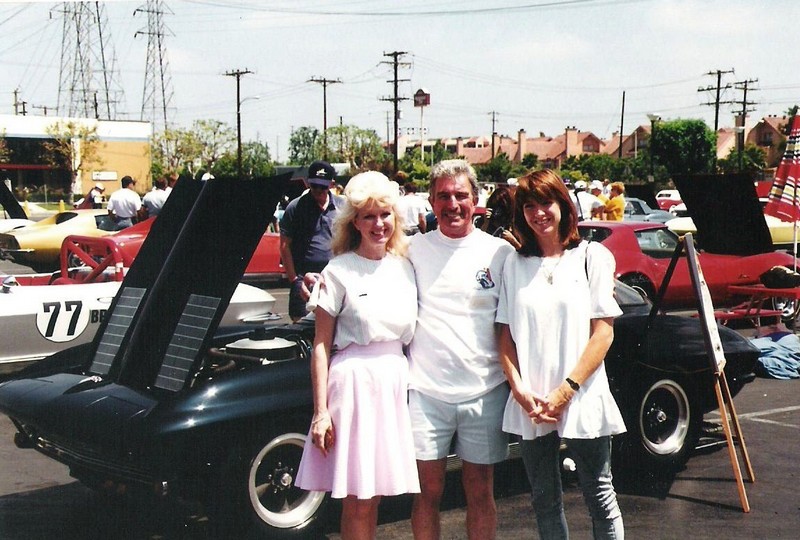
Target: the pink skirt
(373, 451)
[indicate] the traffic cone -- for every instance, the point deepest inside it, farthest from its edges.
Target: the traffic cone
(61, 206)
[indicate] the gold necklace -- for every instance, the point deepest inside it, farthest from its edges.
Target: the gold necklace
(548, 273)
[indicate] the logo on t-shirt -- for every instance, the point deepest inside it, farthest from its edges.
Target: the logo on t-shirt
(484, 278)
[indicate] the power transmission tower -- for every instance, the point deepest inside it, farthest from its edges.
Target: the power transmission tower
(718, 88)
(157, 93)
(88, 81)
(324, 82)
(396, 99)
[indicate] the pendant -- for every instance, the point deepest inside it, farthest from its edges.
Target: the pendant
(550, 279)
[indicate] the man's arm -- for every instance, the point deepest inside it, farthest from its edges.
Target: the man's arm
(285, 249)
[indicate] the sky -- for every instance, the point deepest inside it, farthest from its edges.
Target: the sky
(538, 65)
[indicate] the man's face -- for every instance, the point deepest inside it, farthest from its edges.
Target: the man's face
(320, 193)
(453, 205)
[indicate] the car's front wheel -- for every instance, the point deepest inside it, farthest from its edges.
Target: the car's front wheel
(261, 498)
(664, 424)
(640, 282)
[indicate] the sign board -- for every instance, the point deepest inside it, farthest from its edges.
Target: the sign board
(104, 176)
(706, 308)
(421, 98)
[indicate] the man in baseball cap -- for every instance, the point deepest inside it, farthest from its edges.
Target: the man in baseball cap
(306, 230)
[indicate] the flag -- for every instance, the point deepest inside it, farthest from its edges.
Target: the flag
(784, 198)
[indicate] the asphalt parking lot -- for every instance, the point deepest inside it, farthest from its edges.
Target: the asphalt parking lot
(39, 500)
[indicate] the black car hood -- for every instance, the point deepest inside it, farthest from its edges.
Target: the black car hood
(726, 213)
(160, 322)
(644, 192)
(10, 203)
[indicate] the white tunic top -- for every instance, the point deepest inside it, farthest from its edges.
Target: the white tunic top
(373, 300)
(550, 324)
(454, 351)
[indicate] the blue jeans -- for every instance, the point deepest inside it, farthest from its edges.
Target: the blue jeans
(593, 461)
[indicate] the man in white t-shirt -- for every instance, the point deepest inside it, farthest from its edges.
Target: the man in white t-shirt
(586, 203)
(413, 209)
(124, 205)
(457, 387)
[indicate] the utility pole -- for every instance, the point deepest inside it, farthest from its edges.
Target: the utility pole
(493, 114)
(324, 82)
(621, 126)
(718, 89)
(238, 73)
(744, 86)
(396, 56)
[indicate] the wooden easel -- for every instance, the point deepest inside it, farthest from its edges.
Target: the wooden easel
(717, 358)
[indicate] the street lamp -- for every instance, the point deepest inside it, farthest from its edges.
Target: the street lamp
(239, 103)
(653, 119)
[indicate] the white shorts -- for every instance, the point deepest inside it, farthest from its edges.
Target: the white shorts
(476, 425)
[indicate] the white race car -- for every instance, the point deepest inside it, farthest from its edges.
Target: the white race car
(39, 319)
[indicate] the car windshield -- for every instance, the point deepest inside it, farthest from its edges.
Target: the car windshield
(64, 216)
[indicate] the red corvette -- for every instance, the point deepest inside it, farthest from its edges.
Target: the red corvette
(264, 266)
(643, 252)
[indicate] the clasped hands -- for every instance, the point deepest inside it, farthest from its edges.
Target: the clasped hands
(543, 410)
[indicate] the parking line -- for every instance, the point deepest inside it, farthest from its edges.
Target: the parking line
(756, 416)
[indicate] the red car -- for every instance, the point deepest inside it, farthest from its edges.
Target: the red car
(265, 265)
(643, 252)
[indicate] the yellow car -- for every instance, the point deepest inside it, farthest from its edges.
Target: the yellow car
(780, 231)
(39, 245)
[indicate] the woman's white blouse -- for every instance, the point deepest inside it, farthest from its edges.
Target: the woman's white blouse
(550, 325)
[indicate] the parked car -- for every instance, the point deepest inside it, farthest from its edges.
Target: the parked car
(13, 215)
(220, 414)
(638, 210)
(643, 252)
(265, 265)
(781, 232)
(45, 318)
(667, 198)
(38, 245)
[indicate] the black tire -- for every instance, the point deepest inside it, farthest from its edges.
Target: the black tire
(260, 498)
(640, 282)
(789, 308)
(664, 423)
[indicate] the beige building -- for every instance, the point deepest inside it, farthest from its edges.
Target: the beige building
(124, 149)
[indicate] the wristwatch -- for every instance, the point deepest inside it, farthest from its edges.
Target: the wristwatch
(572, 384)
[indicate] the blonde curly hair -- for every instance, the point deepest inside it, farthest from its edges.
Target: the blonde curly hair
(362, 190)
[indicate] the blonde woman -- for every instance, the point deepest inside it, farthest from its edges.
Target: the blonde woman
(360, 445)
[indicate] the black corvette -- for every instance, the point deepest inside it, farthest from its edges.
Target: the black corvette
(165, 402)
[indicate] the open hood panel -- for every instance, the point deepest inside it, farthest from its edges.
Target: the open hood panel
(10, 203)
(726, 213)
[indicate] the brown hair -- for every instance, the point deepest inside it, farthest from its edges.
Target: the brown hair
(544, 187)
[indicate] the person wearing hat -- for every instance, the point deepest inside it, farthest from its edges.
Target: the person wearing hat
(586, 203)
(596, 188)
(93, 199)
(305, 227)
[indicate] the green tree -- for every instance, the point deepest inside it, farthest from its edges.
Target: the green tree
(256, 161)
(302, 146)
(74, 147)
(499, 169)
(164, 149)
(418, 169)
(5, 152)
(360, 148)
(683, 147)
(530, 161)
(753, 160)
